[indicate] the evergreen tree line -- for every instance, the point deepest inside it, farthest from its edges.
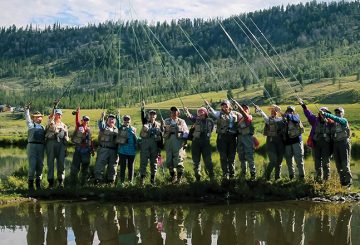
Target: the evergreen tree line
(115, 64)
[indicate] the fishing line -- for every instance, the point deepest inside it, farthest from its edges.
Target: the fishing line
(243, 57)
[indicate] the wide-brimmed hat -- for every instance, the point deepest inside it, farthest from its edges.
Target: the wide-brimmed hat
(275, 107)
(111, 115)
(152, 112)
(202, 110)
(37, 114)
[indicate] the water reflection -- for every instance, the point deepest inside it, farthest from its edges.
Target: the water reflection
(95, 223)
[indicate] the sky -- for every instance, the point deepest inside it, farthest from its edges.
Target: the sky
(83, 12)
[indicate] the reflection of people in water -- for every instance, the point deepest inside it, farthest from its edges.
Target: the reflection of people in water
(275, 232)
(56, 231)
(295, 227)
(107, 225)
(343, 227)
(322, 229)
(245, 220)
(342, 232)
(80, 224)
(127, 234)
(202, 227)
(147, 225)
(227, 234)
(35, 233)
(174, 227)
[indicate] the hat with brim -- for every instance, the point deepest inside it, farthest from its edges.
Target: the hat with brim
(86, 118)
(126, 118)
(111, 116)
(225, 102)
(202, 110)
(290, 108)
(245, 106)
(37, 114)
(275, 107)
(152, 112)
(325, 109)
(340, 109)
(58, 111)
(174, 108)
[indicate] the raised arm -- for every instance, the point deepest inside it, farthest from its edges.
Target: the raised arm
(341, 120)
(77, 118)
(101, 122)
(29, 122)
(293, 117)
(214, 113)
(261, 113)
(309, 115)
(118, 119)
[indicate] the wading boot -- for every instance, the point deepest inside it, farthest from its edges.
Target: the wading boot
(51, 183)
(31, 185)
(38, 184)
(142, 180)
(152, 179)
(172, 177)
(61, 183)
(197, 177)
(253, 176)
(179, 178)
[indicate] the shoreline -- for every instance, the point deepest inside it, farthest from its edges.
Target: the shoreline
(234, 191)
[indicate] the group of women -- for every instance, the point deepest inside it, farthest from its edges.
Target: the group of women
(118, 143)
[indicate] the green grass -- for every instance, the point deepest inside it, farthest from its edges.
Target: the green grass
(13, 130)
(238, 190)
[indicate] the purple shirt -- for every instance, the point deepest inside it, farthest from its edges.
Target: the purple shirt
(314, 122)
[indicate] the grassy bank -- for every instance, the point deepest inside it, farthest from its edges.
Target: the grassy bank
(238, 190)
(234, 190)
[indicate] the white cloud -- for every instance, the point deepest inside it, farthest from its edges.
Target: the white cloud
(82, 12)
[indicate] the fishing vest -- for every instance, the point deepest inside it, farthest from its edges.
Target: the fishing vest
(245, 128)
(340, 132)
(152, 131)
(272, 128)
(199, 129)
(322, 132)
(80, 138)
(107, 137)
(123, 135)
(173, 129)
(59, 132)
(36, 135)
(295, 129)
(223, 122)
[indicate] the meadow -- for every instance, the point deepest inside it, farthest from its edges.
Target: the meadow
(13, 132)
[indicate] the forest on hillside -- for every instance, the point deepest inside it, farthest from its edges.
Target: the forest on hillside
(120, 63)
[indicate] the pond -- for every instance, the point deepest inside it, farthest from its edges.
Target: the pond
(292, 222)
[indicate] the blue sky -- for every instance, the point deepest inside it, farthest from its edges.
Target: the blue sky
(83, 12)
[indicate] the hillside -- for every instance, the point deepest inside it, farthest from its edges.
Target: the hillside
(119, 64)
